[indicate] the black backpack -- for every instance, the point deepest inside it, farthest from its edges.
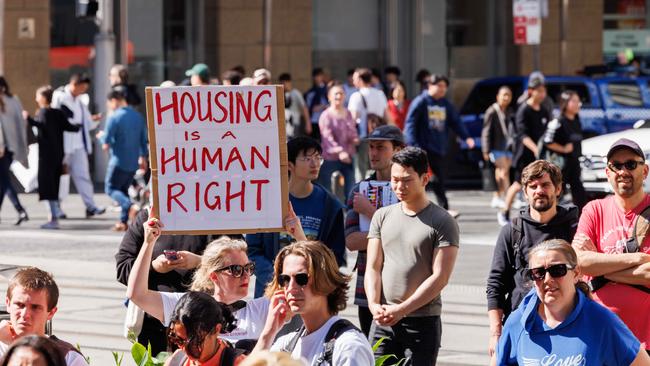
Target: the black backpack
(339, 327)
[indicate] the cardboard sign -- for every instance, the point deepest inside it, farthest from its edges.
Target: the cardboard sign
(218, 158)
(380, 194)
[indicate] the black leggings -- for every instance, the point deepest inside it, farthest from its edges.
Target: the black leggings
(438, 165)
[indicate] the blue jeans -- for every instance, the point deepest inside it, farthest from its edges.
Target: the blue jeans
(415, 338)
(117, 187)
(329, 167)
(263, 273)
(5, 182)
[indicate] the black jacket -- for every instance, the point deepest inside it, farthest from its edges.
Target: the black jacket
(506, 284)
(174, 281)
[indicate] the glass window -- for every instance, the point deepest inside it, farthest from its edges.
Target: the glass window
(625, 94)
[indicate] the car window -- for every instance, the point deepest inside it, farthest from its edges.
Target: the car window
(625, 94)
(484, 95)
(555, 90)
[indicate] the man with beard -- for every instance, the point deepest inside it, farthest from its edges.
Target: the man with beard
(541, 220)
(609, 245)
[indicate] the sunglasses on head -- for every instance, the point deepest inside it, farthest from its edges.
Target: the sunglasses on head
(300, 278)
(556, 271)
(237, 270)
(629, 165)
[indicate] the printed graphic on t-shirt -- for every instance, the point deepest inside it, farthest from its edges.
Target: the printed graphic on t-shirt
(553, 359)
(310, 225)
(437, 117)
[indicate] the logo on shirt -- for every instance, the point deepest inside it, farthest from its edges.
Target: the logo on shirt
(554, 360)
(437, 117)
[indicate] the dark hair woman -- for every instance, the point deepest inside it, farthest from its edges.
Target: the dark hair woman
(33, 350)
(563, 138)
(13, 145)
(195, 325)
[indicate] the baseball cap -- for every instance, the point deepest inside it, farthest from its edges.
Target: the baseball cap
(386, 132)
(624, 143)
(201, 70)
(535, 79)
(261, 74)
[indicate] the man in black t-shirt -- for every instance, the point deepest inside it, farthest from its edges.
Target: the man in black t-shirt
(530, 125)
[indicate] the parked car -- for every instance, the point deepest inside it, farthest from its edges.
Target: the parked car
(594, 160)
(609, 104)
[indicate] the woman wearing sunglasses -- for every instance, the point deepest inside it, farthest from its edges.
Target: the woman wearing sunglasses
(195, 326)
(224, 273)
(558, 323)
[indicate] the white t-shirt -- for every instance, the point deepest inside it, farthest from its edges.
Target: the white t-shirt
(375, 99)
(350, 349)
(250, 319)
(72, 358)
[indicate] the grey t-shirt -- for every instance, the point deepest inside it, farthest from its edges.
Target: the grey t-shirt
(408, 243)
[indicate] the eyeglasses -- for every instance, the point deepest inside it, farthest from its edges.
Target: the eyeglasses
(315, 158)
(237, 270)
(190, 345)
(629, 165)
(556, 271)
(300, 278)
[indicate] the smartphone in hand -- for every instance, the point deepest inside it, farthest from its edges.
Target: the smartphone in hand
(171, 255)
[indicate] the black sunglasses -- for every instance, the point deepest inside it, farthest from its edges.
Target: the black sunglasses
(300, 278)
(556, 271)
(237, 270)
(629, 165)
(191, 346)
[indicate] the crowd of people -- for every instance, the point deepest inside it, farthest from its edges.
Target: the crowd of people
(191, 289)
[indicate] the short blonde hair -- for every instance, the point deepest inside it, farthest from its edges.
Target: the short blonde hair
(268, 358)
(213, 258)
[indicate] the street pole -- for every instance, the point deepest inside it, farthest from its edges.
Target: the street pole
(268, 12)
(104, 60)
(2, 51)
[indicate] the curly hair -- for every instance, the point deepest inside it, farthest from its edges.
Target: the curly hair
(322, 268)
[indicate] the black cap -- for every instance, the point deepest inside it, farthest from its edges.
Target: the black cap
(387, 133)
(625, 144)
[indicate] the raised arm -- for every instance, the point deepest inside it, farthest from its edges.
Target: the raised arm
(137, 289)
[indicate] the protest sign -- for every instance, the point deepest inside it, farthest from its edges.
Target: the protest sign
(218, 158)
(380, 194)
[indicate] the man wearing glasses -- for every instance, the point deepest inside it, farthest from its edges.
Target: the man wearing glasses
(542, 219)
(608, 245)
(308, 282)
(320, 213)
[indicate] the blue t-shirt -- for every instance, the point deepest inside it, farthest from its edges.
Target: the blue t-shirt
(126, 134)
(310, 212)
(590, 335)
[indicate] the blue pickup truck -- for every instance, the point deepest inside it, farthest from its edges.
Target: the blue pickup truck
(609, 104)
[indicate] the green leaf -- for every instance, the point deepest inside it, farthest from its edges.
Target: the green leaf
(379, 361)
(149, 360)
(378, 343)
(138, 352)
(163, 356)
(118, 357)
(131, 337)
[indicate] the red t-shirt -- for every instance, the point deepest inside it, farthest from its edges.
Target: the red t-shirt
(609, 226)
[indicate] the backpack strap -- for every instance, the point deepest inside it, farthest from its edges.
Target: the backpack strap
(516, 236)
(292, 344)
(339, 327)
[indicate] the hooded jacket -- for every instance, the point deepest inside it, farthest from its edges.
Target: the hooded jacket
(506, 284)
(590, 335)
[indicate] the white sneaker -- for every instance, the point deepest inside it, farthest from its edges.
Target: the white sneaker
(497, 202)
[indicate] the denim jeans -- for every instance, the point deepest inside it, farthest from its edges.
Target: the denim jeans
(117, 187)
(415, 338)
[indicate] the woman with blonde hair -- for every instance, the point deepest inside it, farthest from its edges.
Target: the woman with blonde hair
(224, 273)
(558, 322)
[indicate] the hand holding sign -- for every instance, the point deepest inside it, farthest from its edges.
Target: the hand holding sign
(293, 226)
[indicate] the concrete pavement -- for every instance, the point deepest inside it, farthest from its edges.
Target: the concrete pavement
(91, 310)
